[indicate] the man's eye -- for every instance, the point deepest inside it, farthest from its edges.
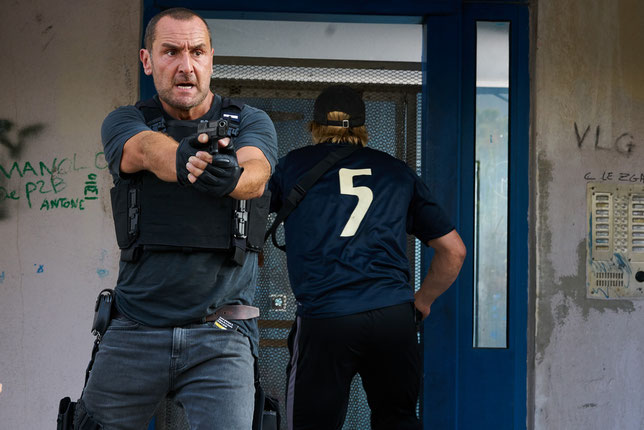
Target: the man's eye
(198, 53)
(170, 52)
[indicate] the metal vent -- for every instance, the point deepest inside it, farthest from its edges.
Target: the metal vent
(306, 71)
(317, 74)
(609, 279)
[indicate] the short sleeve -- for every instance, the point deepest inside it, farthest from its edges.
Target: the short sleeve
(257, 129)
(425, 218)
(275, 187)
(118, 127)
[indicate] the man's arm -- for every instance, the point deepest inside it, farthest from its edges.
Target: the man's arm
(257, 171)
(131, 146)
(449, 254)
(151, 151)
(253, 179)
(256, 152)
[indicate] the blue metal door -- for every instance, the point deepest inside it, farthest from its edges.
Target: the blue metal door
(475, 343)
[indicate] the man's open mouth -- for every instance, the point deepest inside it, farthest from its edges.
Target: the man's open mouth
(185, 86)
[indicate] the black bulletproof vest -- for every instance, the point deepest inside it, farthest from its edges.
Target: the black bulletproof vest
(153, 215)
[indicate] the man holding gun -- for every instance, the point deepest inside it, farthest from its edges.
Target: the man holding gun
(189, 219)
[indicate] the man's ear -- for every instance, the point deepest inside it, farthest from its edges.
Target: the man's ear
(144, 55)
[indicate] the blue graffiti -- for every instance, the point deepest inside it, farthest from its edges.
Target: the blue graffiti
(2, 277)
(622, 263)
(41, 268)
(102, 273)
(618, 263)
(601, 290)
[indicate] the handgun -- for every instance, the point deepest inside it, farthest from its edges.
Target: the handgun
(216, 130)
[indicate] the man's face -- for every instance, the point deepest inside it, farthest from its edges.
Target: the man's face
(180, 61)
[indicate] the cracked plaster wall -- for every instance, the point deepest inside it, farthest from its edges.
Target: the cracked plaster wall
(588, 81)
(65, 65)
(61, 60)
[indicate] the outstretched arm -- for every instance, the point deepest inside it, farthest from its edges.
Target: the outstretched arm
(151, 151)
(447, 262)
(253, 179)
(257, 170)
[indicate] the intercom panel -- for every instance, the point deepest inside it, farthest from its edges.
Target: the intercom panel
(615, 245)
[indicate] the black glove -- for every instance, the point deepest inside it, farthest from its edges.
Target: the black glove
(221, 176)
(188, 146)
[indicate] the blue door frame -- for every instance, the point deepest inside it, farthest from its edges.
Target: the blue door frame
(464, 388)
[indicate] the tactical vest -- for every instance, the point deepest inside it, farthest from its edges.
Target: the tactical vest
(153, 215)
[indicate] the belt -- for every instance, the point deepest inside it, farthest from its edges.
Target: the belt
(234, 312)
(230, 312)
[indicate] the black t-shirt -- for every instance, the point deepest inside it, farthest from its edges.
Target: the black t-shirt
(172, 288)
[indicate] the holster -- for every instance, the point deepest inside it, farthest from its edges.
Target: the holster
(69, 411)
(83, 421)
(66, 409)
(102, 312)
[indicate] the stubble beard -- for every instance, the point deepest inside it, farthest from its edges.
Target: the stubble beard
(165, 95)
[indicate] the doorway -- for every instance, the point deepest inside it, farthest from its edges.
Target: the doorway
(464, 360)
(286, 89)
(393, 113)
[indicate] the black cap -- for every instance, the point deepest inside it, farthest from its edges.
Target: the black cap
(339, 98)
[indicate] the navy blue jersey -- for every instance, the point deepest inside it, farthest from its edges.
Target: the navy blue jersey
(346, 242)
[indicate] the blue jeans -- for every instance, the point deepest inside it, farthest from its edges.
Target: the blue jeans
(207, 370)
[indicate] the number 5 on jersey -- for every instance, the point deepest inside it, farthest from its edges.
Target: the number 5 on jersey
(364, 194)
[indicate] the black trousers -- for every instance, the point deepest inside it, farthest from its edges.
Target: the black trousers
(381, 345)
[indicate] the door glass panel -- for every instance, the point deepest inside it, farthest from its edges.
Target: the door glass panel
(491, 185)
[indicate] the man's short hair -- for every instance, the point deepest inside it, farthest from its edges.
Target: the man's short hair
(179, 13)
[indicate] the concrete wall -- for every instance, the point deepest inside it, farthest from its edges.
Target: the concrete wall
(588, 75)
(65, 65)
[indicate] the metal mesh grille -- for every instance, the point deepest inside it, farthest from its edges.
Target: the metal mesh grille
(316, 74)
(287, 94)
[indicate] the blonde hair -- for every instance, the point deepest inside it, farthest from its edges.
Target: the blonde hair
(335, 134)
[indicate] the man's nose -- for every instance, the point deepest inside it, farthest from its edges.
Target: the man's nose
(185, 63)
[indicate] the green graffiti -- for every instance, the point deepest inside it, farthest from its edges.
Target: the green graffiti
(49, 178)
(99, 161)
(6, 194)
(56, 184)
(56, 167)
(63, 202)
(14, 166)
